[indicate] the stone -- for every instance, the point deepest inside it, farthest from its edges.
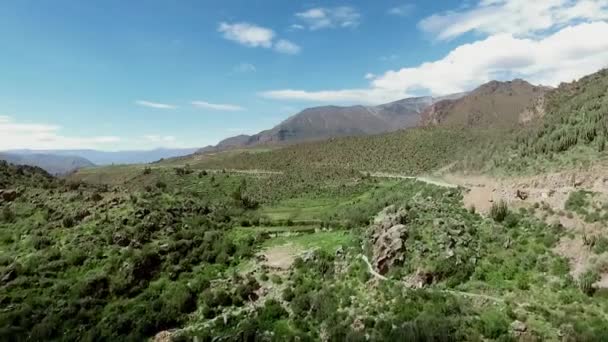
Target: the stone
(389, 234)
(163, 336)
(522, 195)
(519, 327)
(419, 279)
(9, 195)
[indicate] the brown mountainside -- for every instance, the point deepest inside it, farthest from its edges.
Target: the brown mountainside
(492, 105)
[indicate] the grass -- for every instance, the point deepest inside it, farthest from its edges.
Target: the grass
(300, 209)
(327, 241)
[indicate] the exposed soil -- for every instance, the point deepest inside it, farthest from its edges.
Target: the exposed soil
(549, 190)
(280, 257)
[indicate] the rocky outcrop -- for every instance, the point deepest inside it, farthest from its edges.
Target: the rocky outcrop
(389, 232)
(8, 195)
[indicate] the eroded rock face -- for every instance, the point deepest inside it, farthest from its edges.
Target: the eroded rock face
(389, 232)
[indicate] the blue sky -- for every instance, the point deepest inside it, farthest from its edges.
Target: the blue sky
(138, 74)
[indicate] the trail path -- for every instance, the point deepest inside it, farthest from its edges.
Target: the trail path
(371, 269)
(427, 180)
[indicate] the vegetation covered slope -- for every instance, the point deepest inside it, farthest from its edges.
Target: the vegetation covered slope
(84, 262)
(571, 130)
(172, 248)
(12, 176)
(409, 151)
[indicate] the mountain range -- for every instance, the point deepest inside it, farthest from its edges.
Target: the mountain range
(325, 122)
(65, 161)
(496, 104)
(51, 163)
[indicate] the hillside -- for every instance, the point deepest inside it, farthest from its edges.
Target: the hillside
(12, 176)
(310, 253)
(563, 127)
(53, 164)
(411, 151)
(491, 105)
(570, 129)
(313, 240)
(320, 123)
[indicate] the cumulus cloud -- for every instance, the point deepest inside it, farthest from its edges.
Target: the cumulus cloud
(19, 135)
(402, 11)
(256, 36)
(247, 34)
(287, 47)
(565, 55)
(214, 106)
(154, 105)
(334, 17)
(522, 18)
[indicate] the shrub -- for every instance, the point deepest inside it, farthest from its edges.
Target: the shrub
(276, 279)
(586, 281)
(288, 294)
(499, 211)
(8, 215)
(68, 222)
(494, 324)
(511, 220)
(271, 312)
(601, 245)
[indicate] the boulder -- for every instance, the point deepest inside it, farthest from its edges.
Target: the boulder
(163, 336)
(522, 195)
(389, 233)
(9, 195)
(518, 327)
(419, 279)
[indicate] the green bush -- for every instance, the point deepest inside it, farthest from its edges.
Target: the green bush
(8, 216)
(493, 324)
(586, 281)
(499, 211)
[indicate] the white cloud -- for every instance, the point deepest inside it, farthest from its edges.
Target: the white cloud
(369, 76)
(247, 34)
(155, 105)
(324, 17)
(565, 55)
(244, 68)
(522, 18)
(335, 96)
(296, 27)
(256, 36)
(287, 47)
(402, 11)
(214, 106)
(18, 135)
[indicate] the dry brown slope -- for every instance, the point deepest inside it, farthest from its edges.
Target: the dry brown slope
(492, 105)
